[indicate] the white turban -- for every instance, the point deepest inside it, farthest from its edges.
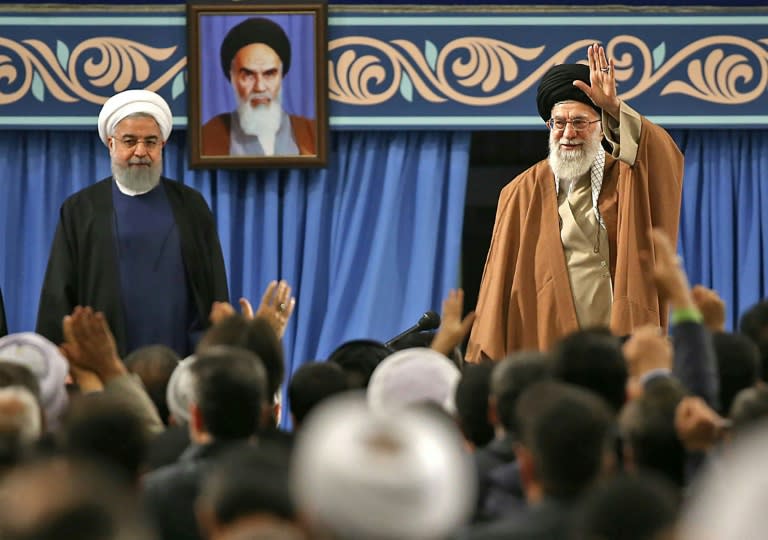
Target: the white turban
(130, 102)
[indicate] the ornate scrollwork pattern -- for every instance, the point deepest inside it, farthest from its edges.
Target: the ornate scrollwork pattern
(108, 63)
(482, 71)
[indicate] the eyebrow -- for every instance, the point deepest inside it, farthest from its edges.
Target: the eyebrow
(270, 71)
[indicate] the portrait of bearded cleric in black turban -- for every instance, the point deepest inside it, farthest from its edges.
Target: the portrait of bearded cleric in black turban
(259, 88)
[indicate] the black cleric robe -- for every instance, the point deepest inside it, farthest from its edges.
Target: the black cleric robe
(83, 268)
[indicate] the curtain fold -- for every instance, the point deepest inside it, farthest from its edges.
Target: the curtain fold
(723, 223)
(368, 244)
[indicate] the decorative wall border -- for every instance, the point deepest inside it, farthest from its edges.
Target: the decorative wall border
(396, 68)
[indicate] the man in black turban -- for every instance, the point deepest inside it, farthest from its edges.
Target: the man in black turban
(255, 58)
(570, 230)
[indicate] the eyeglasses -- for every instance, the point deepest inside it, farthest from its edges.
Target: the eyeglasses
(130, 143)
(579, 124)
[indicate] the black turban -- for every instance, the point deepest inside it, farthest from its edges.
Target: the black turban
(255, 30)
(557, 85)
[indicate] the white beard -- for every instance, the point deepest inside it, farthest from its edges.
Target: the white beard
(138, 179)
(573, 164)
(262, 121)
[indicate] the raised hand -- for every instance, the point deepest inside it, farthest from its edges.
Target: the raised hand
(90, 345)
(711, 306)
(453, 329)
(276, 306)
(602, 81)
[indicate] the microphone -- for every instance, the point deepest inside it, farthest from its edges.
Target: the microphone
(429, 321)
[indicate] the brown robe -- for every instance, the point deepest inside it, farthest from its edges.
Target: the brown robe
(214, 137)
(525, 299)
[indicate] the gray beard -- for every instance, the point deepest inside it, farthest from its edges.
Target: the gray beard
(570, 165)
(138, 179)
(262, 120)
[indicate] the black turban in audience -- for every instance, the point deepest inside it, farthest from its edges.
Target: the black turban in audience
(557, 85)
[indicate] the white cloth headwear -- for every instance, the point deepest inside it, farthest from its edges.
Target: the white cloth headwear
(134, 101)
(180, 392)
(47, 364)
(411, 376)
(403, 476)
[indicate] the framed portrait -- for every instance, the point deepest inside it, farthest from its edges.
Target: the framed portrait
(258, 84)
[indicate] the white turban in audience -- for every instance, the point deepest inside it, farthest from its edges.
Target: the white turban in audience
(411, 376)
(47, 364)
(729, 499)
(358, 474)
(180, 392)
(130, 102)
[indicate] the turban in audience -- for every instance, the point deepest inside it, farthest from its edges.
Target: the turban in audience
(131, 102)
(401, 476)
(46, 362)
(411, 376)
(180, 392)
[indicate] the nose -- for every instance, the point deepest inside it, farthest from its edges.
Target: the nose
(140, 149)
(258, 84)
(569, 132)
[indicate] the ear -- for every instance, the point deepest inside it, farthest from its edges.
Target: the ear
(206, 519)
(196, 423)
(275, 417)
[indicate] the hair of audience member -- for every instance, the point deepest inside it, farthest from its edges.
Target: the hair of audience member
(738, 364)
(13, 374)
(511, 377)
(250, 481)
(424, 339)
(749, 409)
(359, 358)
(754, 324)
(179, 394)
(592, 359)
(472, 403)
(20, 424)
(569, 433)
(59, 498)
(154, 365)
(628, 507)
(358, 474)
(230, 391)
(647, 426)
(255, 335)
(103, 428)
(312, 383)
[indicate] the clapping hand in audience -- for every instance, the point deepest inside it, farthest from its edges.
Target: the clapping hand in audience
(668, 273)
(453, 329)
(711, 306)
(698, 426)
(276, 307)
(90, 348)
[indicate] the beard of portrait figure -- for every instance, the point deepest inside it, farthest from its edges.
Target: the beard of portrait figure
(141, 174)
(572, 164)
(262, 119)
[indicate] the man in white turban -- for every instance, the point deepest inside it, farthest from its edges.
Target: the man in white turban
(139, 247)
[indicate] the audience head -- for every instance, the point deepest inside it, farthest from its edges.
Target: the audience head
(56, 499)
(636, 507)
(180, 392)
(255, 335)
(754, 325)
(749, 409)
(413, 376)
(230, 394)
(102, 428)
(472, 403)
(403, 475)
(647, 426)
(358, 358)
(20, 424)
(47, 364)
(593, 359)
(311, 384)
(566, 435)
(246, 486)
(738, 364)
(510, 378)
(154, 365)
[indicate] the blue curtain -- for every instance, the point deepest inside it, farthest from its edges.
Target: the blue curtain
(723, 225)
(368, 244)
